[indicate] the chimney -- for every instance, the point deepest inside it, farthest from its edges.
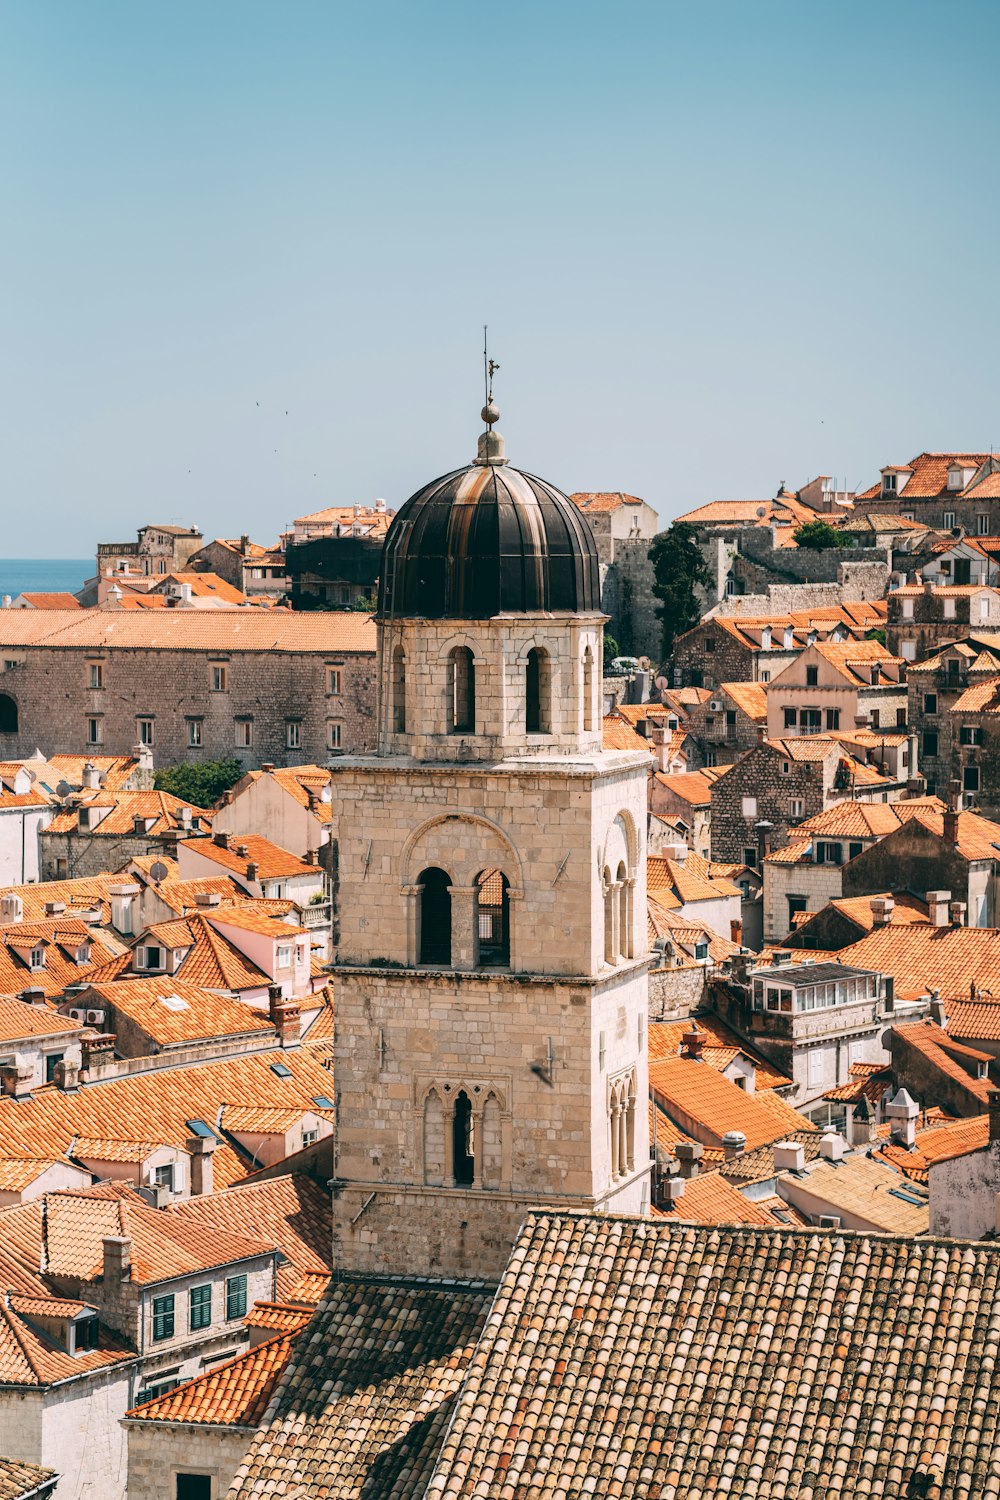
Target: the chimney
(97, 1051)
(288, 1023)
(122, 907)
(764, 830)
(313, 797)
(244, 545)
(251, 870)
(882, 910)
(117, 1258)
(937, 907)
(950, 829)
(734, 1143)
(221, 839)
(994, 1107)
(16, 1080)
(736, 931)
(902, 1114)
(689, 1154)
(91, 777)
(201, 1148)
(33, 995)
(144, 756)
(184, 817)
(911, 759)
(207, 899)
(937, 1010)
(956, 913)
(692, 1042)
(860, 1126)
(267, 765)
(832, 1146)
(54, 908)
(789, 1156)
(66, 1076)
(243, 851)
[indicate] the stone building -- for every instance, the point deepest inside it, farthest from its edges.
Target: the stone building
(490, 909)
(726, 723)
(837, 685)
(93, 831)
(257, 685)
(922, 617)
(159, 549)
(246, 565)
(944, 491)
(949, 711)
(625, 528)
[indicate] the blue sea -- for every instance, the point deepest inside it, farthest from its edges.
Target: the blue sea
(44, 575)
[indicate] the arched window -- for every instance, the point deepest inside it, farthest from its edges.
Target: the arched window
(435, 917)
(8, 714)
(610, 946)
(462, 691)
(463, 1145)
(538, 693)
(493, 919)
(491, 1144)
(399, 691)
(623, 893)
(588, 691)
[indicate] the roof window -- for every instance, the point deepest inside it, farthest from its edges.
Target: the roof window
(281, 1070)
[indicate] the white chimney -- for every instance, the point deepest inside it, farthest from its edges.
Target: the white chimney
(937, 907)
(123, 908)
(789, 1156)
(91, 777)
(734, 1142)
(903, 1113)
(832, 1147)
(956, 913)
(882, 910)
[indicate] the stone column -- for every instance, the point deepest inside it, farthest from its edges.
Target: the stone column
(411, 895)
(514, 912)
(615, 944)
(464, 936)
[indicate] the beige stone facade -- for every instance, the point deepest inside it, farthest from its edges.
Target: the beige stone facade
(475, 1083)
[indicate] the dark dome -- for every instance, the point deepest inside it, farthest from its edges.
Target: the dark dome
(488, 540)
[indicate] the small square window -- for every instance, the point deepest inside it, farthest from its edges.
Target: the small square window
(164, 1176)
(333, 734)
(930, 742)
(949, 517)
(163, 1317)
(236, 1297)
(333, 679)
(982, 525)
(750, 858)
(812, 676)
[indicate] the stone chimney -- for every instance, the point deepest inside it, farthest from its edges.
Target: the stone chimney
(860, 1126)
(902, 1114)
(251, 870)
(956, 913)
(207, 899)
(66, 1076)
(267, 765)
(736, 931)
(144, 756)
(221, 840)
(288, 1023)
(243, 851)
(882, 910)
(54, 908)
(91, 777)
(937, 907)
(123, 908)
(117, 1259)
(33, 995)
(689, 1154)
(789, 1156)
(832, 1147)
(97, 1051)
(201, 1148)
(184, 817)
(950, 829)
(734, 1143)
(16, 1080)
(244, 545)
(692, 1043)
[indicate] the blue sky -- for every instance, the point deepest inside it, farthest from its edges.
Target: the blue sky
(718, 246)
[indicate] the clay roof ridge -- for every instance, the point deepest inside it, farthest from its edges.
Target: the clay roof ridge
(141, 1413)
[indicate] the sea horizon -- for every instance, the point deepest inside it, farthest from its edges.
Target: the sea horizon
(44, 575)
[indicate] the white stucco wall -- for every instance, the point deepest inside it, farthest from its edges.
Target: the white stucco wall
(963, 1193)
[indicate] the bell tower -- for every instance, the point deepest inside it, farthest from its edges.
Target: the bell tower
(490, 958)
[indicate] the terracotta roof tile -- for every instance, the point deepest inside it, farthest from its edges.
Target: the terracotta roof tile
(710, 1199)
(281, 1317)
(604, 500)
(937, 1143)
(664, 1040)
(192, 629)
(273, 862)
(921, 958)
(293, 1212)
(864, 1188)
(618, 734)
(233, 1394)
(751, 697)
(693, 786)
(171, 1012)
(706, 1104)
(159, 810)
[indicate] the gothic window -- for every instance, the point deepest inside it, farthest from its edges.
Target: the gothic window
(435, 917)
(434, 1152)
(463, 1144)
(8, 714)
(493, 919)
(588, 691)
(621, 1122)
(491, 1144)
(399, 691)
(462, 691)
(538, 693)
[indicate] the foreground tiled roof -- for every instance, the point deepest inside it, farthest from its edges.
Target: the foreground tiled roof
(758, 1165)
(649, 1359)
(234, 1394)
(19, 1481)
(368, 1393)
(922, 958)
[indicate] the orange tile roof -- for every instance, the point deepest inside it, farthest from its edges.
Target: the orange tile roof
(86, 893)
(707, 1105)
(17, 1172)
(280, 1317)
(664, 1040)
(192, 629)
(115, 770)
(852, 820)
(947, 1055)
(747, 512)
(977, 836)
(19, 1021)
(937, 1143)
(233, 1394)
(618, 734)
(273, 862)
(604, 500)
(293, 1212)
(202, 586)
(664, 921)
(52, 601)
(160, 810)
(710, 1199)
(751, 697)
(979, 698)
(684, 880)
(974, 1020)
(246, 918)
(928, 478)
(29, 1357)
(926, 957)
(847, 656)
(172, 1012)
(157, 1106)
(692, 786)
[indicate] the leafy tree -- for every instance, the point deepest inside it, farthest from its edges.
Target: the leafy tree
(201, 784)
(610, 649)
(877, 635)
(367, 604)
(819, 535)
(680, 571)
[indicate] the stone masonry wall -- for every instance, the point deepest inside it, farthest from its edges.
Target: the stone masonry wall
(159, 1451)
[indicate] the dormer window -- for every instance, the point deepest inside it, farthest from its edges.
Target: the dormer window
(83, 954)
(83, 1335)
(888, 484)
(151, 957)
(37, 958)
(956, 477)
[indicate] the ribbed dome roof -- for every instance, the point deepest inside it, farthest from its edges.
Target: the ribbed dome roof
(487, 540)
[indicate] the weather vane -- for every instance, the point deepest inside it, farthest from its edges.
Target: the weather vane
(490, 366)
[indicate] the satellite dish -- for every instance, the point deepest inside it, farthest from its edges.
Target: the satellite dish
(64, 789)
(158, 871)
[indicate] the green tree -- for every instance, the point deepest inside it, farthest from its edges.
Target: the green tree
(819, 535)
(680, 571)
(610, 649)
(202, 783)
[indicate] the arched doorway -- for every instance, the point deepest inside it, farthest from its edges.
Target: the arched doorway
(435, 917)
